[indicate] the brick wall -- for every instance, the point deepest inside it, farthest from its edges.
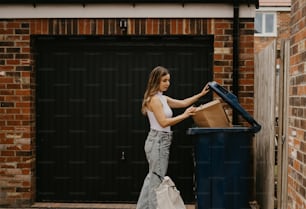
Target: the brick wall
(17, 81)
(297, 108)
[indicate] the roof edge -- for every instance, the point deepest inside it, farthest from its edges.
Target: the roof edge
(84, 2)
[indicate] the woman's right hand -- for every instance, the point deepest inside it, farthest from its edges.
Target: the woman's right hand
(190, 111)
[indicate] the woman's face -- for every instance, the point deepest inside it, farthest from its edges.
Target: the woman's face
(164, 83)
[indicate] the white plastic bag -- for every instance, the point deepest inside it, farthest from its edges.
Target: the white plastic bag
(167, 195)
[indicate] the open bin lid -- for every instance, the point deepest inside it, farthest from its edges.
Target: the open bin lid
(232, 100)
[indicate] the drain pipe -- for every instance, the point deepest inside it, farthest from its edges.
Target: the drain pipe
(236, 29)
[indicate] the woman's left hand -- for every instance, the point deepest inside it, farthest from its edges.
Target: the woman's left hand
(205, 90)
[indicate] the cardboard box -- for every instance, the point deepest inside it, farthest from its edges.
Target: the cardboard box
(211, 114)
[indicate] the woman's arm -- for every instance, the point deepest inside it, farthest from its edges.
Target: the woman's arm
(175, 103)
(156, 107)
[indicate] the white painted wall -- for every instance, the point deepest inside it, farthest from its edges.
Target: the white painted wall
(124, 11)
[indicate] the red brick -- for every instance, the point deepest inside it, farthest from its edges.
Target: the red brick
(22, 117)
(6, 117)
(23, 104)
(26, 172)
(173, 26)
(6, 141)
(6, 80)
(7, 153)
(13, 159)
(23, 92)
(24, 165)
(6, 68)
(14, 123)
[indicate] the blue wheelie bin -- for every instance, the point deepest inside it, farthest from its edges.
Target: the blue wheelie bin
(223, 160)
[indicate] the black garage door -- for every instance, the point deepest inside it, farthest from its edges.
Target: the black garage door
(90, 132)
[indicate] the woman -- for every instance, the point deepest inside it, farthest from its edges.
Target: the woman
(157, 107)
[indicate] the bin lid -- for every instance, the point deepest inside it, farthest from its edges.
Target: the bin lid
(232, 100)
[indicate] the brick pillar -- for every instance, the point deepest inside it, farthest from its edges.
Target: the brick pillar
(16, 113)
(297, 108)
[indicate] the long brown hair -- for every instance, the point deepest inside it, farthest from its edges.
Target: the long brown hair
(153, 86)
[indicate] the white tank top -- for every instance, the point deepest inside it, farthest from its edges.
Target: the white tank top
(167, 110)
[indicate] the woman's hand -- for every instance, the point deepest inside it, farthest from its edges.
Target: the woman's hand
(205, 90)
(190, 111)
